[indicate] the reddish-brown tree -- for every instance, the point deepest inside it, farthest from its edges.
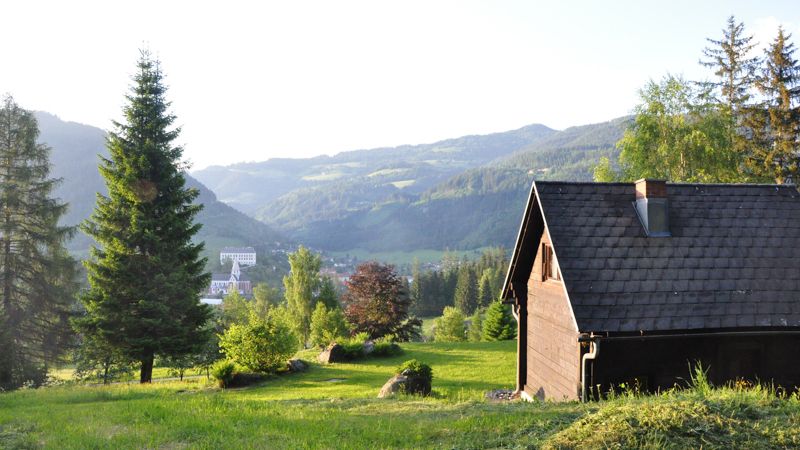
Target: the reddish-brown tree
(376, 302)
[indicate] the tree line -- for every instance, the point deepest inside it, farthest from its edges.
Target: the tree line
(465, 284)
(741, 125)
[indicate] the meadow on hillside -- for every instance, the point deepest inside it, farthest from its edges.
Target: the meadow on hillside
(335, 406)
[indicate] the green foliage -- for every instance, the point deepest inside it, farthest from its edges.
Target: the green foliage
(260, 345)
(327, 294)
(734, 68)
(499, 324)
(475, 332)
(265, 298)
(223, 371)
(415, 368)
(37, 276)
(675, 136)
(146, 274)
(465, 297)
(376, 303)
(775, 122)
(95, 360)
(450, 327)
(435, 289)
(235, 309)
(384, 349)
(327, 325)
(301, 284)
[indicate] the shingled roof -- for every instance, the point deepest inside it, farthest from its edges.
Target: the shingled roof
(731, 260)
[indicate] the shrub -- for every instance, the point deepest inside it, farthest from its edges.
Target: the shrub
(327, 325)
(223, 371)
(382, 349)
(475, 333)
(260, 345)
(420, 377)
(450, 327)
(499, 325)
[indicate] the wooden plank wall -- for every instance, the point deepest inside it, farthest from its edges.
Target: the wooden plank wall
(553, 352)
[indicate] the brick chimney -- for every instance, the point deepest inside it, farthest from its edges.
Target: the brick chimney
(652, 207)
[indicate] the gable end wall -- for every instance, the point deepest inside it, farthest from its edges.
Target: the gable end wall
(552, 350)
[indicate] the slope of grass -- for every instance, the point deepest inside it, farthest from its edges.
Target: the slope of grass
(725, 418)
(334, 406)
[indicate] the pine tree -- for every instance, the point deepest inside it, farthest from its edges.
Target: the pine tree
(146, 274)
(37, 277)
(486, 291)
(736, 76)
(776, 121)
(327, 293)
(465, 297)
(301, 284)
(498, 325)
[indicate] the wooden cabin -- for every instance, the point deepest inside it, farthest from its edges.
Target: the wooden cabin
(631, 283)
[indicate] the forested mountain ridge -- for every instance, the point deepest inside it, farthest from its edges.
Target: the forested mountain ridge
(475, 208)
(74, 159)
(374, 176)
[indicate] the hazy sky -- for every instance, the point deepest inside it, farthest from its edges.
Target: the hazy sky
(255, 80)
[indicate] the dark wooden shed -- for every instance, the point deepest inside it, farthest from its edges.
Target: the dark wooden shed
(632, 282)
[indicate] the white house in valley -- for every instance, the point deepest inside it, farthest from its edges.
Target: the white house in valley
(245, 256)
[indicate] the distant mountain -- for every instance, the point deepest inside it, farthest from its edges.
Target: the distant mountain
(477, 207)
(74, 158)
(323, 186)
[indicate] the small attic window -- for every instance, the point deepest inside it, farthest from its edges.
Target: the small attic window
(549, 264)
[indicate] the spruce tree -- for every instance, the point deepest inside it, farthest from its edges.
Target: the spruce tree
(37, 276)
(776, 121)
(146, 274)
(735, 70)
(465, 296)
(498, 325)
(486, 292)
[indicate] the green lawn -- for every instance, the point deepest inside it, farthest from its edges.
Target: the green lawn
(334, 406)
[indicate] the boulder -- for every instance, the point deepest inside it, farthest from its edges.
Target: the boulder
(332, 354)
(406, 383)
(297, 365)
(393, 386)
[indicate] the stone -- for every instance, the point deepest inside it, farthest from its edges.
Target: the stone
(332, 354)
(405, 383)
(297, 365)
(393, 386)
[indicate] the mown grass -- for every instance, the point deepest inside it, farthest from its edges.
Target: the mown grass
(334, 406)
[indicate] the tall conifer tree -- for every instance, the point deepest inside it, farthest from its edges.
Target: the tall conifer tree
(465, 296)
(146, 275)
(37, 276)
(776, 121)
(735, 70)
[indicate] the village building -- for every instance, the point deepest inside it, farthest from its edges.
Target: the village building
(245, 256)
(631, 283)
(224, 283)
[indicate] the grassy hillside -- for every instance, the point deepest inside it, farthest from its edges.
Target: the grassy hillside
(334, 406)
